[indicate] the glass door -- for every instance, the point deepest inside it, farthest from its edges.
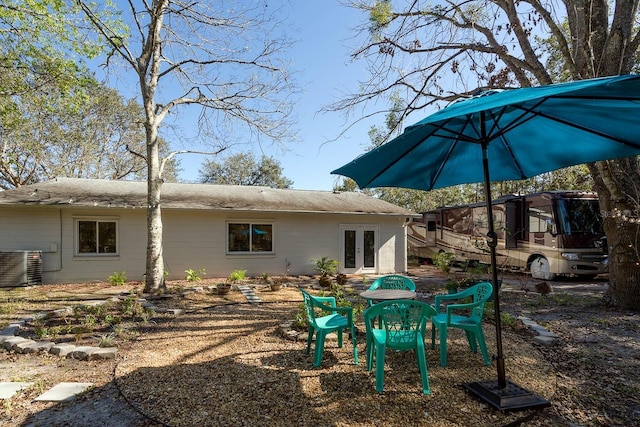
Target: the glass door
(359, 249)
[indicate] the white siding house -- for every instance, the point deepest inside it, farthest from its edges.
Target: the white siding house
(89, 229)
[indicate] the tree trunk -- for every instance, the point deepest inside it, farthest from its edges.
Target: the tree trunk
(624, 265)
(155, 261)
(620, 212)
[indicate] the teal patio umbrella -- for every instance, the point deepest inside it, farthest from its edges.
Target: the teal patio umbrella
(508, 135)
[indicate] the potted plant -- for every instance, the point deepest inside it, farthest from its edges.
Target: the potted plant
(452, 286)
(223, 288)
(234, 277)
(326, 267)
(276, 284)
(341, 279)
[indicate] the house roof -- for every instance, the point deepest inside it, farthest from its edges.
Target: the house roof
(66, 192)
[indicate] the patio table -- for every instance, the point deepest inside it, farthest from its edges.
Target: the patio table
(387, 294)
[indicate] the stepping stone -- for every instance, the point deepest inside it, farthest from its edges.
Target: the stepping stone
(249, 294)
(63, 391)
(9, 389)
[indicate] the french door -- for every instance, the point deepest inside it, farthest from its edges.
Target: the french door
(358, 249)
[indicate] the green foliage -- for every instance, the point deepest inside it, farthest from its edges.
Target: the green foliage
(300, 321)
(194, 275)
(452, 285)
(326, 266)
(444, 261)
(380, 14)
(508, 320)
(118, 279)
(237, 275)
(243, 169)
(106, 340)
(47, 137)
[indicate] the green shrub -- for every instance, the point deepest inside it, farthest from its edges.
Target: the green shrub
(117, 279)
(237, 275)
(326, 266)
(194, 275)
(443, 260)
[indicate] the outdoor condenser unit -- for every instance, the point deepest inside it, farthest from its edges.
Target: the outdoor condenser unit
(20, 268)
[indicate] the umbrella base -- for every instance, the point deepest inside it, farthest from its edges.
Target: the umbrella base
(511, 398)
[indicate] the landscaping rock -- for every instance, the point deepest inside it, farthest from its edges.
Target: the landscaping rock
(62, 350)
(81, 352)
(100, 353)
(37, 347)
(11, 342)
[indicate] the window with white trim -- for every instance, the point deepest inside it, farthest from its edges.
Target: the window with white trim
(96, 237)
(249, 237)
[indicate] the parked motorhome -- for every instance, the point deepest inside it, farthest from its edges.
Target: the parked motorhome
(548, 233)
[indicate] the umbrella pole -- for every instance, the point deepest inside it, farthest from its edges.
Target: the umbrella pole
(501, 394)
(492, 242)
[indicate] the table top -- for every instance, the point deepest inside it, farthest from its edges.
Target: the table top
(388, 294)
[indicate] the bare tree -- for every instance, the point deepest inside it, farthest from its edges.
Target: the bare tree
(221, 58)
(433, 53)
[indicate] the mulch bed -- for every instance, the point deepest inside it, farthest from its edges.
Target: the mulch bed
(226, 362)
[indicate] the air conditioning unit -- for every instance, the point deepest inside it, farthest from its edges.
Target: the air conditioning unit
(20, 268)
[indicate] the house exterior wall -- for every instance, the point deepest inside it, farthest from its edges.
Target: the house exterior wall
(193, 239)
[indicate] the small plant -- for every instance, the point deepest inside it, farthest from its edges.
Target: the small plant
(118, 279)
(89, 322)
(326, 266)
(106, 340)
(40, 386)
(54, 331)
(113, 319)
(41, 331)
(341, 279)
(444, 261)
(300, 320)
(237, 275)
(452, 286)
(507, 320)
(265, 278)
(194, 275)
(146, 314)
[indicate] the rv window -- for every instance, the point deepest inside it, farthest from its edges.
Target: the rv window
(578, 216)
(540, 219)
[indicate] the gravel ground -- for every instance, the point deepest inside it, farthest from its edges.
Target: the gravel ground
(225, 362)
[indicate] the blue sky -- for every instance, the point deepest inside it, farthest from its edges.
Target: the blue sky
(321, 54)
(320, 57)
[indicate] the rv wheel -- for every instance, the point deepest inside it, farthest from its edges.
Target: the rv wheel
(540, 269)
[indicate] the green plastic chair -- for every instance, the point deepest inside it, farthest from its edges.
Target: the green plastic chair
(471, 324)
(392, 281)
(403, 328)
(324, 317)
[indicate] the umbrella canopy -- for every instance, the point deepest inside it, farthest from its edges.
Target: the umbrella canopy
(527, 131)
(508, 135)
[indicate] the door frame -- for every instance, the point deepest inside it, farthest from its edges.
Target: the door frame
(359, 265)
